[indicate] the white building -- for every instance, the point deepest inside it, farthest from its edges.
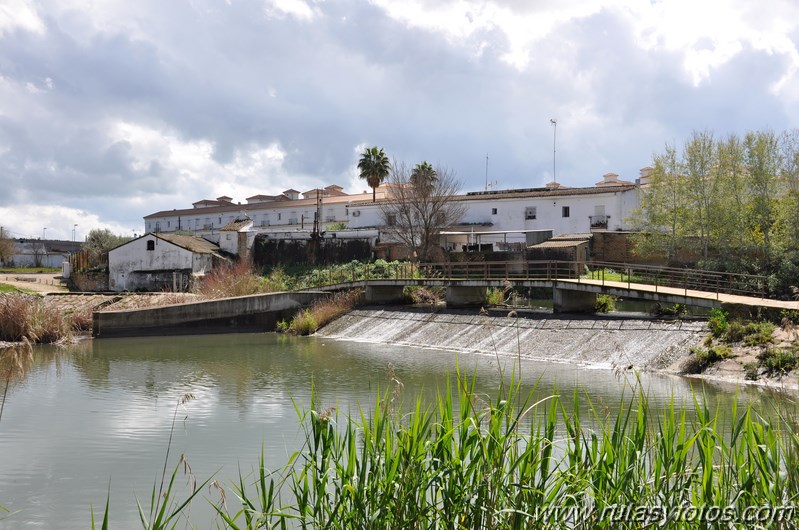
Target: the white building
(160, 262)
(563, 210)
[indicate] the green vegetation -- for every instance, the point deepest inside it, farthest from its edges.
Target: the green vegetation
(718, 322)
(729, 203)
(321, 312)
(374, 167)
(750, 333)
(495, 296)
(5, 288)
(778, 361)
(605, 303)
(419, 294)
(98, 243)
(512, 462)
(704, 358)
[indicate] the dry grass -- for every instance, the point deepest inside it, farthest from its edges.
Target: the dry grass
(26, 317)
(237, 279)
(321, 312)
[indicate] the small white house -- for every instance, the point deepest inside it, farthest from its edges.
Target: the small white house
(160, 262)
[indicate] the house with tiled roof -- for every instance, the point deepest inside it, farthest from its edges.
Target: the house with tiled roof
(161, 261)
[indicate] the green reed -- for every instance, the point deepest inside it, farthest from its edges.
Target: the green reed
(465, 462)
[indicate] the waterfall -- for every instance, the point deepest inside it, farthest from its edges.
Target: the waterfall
(595, 341)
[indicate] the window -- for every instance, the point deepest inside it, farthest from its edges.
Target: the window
(493, 211)
(391, 219)
(168, 224)
(278, 216)
(529, 213)
(150, 245)
(565, 211)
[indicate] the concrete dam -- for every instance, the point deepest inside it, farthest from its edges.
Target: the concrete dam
(592, 341)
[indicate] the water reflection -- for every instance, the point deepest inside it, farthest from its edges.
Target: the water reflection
(101, 410)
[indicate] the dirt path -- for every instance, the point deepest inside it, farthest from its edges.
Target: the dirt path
(40, 283)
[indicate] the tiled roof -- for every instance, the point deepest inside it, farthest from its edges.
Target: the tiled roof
(197, 245)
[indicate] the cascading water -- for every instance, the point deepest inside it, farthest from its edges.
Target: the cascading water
(596, 341)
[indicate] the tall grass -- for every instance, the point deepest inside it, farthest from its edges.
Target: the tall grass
(463, 462)
(236, 279)
(26, 317)
(321, 312)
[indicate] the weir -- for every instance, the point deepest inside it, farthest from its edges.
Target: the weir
(596, 341)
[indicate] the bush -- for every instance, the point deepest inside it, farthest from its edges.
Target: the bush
(750, 333)
(751, 371)
(778, 361)
(424, 295)
(704, 358)
(718, 322)
(495, 296)
(303, 323)
(675, 310)
(605, 303)
(235, 279)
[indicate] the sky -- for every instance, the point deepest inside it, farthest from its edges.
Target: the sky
(111, 110)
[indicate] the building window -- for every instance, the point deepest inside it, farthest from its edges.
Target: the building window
(529, 213)
(565, 211)
(493, 211)
(391, 219)
(279, 216)
(168, 224)
(150, 245)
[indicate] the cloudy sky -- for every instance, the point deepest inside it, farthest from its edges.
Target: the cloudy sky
(114, 109)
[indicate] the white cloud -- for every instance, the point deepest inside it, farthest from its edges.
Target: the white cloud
(19, 14)
(295, 8)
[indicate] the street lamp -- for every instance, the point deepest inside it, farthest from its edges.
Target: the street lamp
(74, 229)
(44, 232)
(554, 123)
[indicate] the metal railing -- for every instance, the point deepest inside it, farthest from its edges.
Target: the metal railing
(604, 272)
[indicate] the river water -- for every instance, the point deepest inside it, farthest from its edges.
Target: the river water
(98, 415)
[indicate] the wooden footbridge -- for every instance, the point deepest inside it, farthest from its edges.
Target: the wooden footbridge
(574, 284)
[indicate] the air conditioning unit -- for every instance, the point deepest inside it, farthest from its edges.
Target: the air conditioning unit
(356, 213)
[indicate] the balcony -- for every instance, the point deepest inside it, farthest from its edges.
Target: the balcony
(599, 221)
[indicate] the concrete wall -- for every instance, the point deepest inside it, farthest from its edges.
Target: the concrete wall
(134, 256)
(258, 312)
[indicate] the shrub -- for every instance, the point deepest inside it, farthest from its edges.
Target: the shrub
(605, 303)
(718, 322)
(778, 361)
(704, 358)
(303, 323)
(236, 279)
(750, 333)
(424, 295)
(675, 310)
(495, 296)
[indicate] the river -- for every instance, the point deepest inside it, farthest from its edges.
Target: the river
(98, 414)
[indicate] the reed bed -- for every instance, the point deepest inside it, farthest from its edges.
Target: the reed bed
(26, 317)
(510, 463)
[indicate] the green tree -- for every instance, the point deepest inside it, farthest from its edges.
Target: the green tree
(98, 243)
(661, 219)
(6, 245)
(762, 161)
(374, 167)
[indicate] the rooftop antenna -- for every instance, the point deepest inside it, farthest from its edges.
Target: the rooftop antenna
(554, 122)
(486, 171)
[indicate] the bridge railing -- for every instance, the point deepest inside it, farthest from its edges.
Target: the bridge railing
(685, 279)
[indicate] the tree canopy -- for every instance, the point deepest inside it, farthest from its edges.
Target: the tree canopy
(732, 201)
(374, 167)
(99, 242)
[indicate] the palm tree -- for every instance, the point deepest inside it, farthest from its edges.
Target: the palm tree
(374, 167)
(423, 177)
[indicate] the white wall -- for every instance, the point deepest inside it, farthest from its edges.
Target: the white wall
(510, 212)
(134, 256)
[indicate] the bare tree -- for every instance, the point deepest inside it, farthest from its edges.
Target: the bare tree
(421, 204)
